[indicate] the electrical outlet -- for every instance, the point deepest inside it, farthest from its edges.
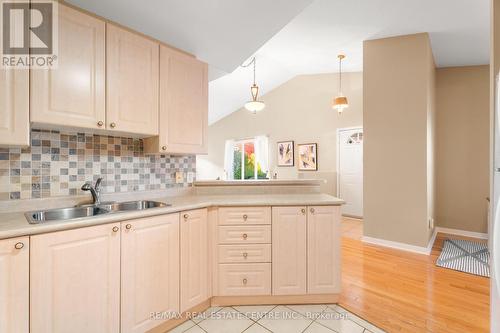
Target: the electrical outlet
(179, 177)
(190, 177)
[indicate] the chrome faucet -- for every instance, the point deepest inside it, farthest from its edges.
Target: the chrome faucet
(94, 190)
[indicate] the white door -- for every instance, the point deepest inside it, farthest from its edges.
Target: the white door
(350, 170)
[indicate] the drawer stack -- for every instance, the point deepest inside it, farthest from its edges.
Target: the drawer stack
(244, 251)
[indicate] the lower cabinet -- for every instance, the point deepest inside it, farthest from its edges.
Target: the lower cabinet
(14, 285)
(149, 271)
(75, 281)
(194, 259)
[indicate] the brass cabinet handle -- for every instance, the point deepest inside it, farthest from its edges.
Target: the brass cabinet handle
(100, 123)
(245, 217)
(303, 210)
(112, 125)
(19, 245)
(115, 229)
(245, 236)
(128, 226)
(311, 210)
(186, 216)
(245, 255)
(164, 148)
(245, 281)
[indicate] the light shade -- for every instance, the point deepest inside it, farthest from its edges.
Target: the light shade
(255, 106)
(340, 103)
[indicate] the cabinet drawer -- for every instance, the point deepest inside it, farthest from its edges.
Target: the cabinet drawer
(244, 215)
(244, 279)
(244, 253)
(236, 234)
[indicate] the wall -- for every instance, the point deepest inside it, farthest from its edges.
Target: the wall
(298, 110)
(58, 163)
(398, 124)
(463, 147)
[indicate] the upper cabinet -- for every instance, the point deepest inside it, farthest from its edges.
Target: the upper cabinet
(73, 94)
(183, 104)
(14, 107)
(132, 82)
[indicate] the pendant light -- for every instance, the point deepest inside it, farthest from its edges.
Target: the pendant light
(254, 105)
(340, 102)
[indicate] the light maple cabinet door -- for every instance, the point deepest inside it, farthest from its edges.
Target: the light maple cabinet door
(14, 285)
(289, 227)
(132, 67)
(75, 281)
(194, 258)
(73, 94)
(323, 250)
(150, 271)
(183, 104)
(14, 107)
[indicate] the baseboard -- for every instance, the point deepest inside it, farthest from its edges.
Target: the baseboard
(275, 299)
(402, 246)
(464, 233)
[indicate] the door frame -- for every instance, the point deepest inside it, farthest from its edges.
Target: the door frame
(339, 131)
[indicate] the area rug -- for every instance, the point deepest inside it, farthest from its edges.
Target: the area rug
(465, 256)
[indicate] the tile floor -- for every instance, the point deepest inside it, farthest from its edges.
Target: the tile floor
(320, 318)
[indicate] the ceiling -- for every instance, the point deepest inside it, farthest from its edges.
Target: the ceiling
(292, 37)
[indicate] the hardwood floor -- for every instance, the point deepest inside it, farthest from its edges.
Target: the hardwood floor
(401, 291)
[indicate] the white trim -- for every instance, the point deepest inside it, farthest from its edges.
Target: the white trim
(465, 233)
(403, 246)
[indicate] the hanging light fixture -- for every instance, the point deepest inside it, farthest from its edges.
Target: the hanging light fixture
(254, 105)
(340, 102)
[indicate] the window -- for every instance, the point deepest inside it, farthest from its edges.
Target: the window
(247, 159)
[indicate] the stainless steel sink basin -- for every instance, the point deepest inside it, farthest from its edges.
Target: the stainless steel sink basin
(90, 210)
(64, 214)
(133, 205)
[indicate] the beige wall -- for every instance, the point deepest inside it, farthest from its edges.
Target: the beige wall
(298, 110)
(463, 147)
(398, 123)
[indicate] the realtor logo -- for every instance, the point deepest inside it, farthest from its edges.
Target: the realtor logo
(29, 34)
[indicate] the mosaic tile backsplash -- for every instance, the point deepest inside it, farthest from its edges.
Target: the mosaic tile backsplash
(59, 163)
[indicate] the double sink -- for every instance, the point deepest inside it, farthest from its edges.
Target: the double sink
(72, 213)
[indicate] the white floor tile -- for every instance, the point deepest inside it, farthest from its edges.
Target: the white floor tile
(206, 314)
(364, 323)
(254, 312)
(256, 328)
(195, 329)
(284, 320)
(317, 328)
(310, 311)
(182, 327)
(227, 320)
(337, 322)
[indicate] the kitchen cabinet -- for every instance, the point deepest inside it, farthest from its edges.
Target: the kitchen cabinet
(132, 83)
(150, 271)
(323, 250)
(194, 258)
(73, 94)
(14, 107)
(75, 280)
(289, 251)
(14, 286)
(183, 105)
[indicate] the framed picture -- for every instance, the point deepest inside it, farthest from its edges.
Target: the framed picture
(308, 157)
(286, 154)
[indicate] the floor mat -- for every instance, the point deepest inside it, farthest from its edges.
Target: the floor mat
(465, 256)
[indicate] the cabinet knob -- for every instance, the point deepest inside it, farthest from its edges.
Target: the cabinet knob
(303, 210)
(112, 125)
(128, 226)
(19, 245)
(311, 210)
(163, 147)
(245, 217)
(115, 229)
(245, 255)
(186, 216)
(100, 123)
(245, 281)
(245, 236)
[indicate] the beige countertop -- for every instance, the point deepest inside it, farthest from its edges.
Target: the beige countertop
(15, 224)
